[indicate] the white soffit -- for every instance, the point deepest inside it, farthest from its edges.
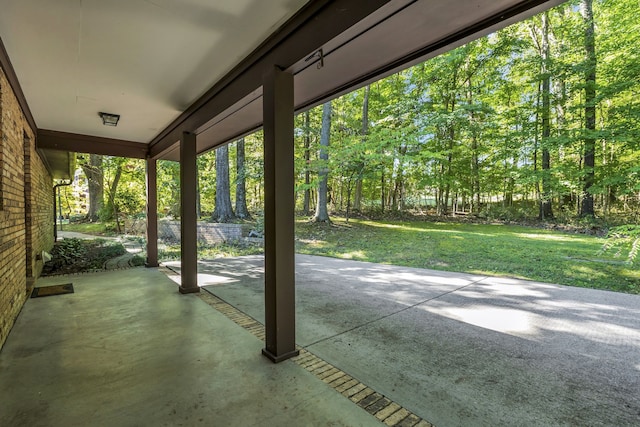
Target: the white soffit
(147, 60)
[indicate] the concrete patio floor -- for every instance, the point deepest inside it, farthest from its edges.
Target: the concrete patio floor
(454, 349)
(459, 349)
(126, 349)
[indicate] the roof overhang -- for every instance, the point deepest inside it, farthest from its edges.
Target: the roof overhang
(361, 41)
(396, 36)
(61, 164)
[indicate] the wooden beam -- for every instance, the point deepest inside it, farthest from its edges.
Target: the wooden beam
(54, 140)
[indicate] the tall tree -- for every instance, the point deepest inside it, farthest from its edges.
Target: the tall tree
(241, 175)
(590, 63)
(544, 51)
(95, 178)
(114, 165)
(223, 211)
(357, 199)
(473, 124)
(307, 159)
(201, 164)
(322, 214)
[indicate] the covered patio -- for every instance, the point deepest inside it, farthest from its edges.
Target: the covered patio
(182, 78)
(126, 349)
(185, 78)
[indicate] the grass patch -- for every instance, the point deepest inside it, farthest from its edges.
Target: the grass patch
(497, 250)
(92, 228)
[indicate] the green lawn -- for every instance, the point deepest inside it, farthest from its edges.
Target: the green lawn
(498, 250)
(94, 228)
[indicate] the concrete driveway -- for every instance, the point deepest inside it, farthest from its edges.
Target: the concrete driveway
(460, 349)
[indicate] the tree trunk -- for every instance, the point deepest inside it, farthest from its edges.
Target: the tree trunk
(349, 190)
(536, 143)
(447, 189)
(306, 209)
(382, 193)
(357, 198)
(113, 188)
(440, 192)
(322, 215)
(95, 179)
(566, 199)
(223, 211)
(451, 134)
(545, 202)
(475, 161)
(398, 189)
(241, 188)
(588, 180)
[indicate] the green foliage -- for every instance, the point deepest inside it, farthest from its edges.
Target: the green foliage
(75, 255)
(623, 239)
(137, 261)
(169, 188)
(465, 128)
(69, 250)
(258, 226)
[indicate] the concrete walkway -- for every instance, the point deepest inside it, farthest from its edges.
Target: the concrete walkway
(460, 349)
(126, 349)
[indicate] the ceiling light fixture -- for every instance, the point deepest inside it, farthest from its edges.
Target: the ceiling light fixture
(109, 119)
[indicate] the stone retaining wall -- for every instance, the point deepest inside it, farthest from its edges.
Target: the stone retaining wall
(209, 233)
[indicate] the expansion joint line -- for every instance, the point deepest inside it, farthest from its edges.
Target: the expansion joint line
(409, 307)
(379, 406)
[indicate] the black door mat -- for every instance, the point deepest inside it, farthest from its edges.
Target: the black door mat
(47, 291)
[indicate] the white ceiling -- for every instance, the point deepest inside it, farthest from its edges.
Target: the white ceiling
(147, 60)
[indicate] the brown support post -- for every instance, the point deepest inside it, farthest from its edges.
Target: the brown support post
(279, 253)
(152, 214)
(188, 218)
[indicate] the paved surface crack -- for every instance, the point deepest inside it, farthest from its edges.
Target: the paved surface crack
(382, 408)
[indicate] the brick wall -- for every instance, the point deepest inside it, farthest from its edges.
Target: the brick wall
(41, 211)
(26, 196)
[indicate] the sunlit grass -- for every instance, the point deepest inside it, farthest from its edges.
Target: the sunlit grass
(488, 249)
(547, 236)
(93, 228)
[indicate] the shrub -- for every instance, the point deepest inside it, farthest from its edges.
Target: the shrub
(76, 255)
